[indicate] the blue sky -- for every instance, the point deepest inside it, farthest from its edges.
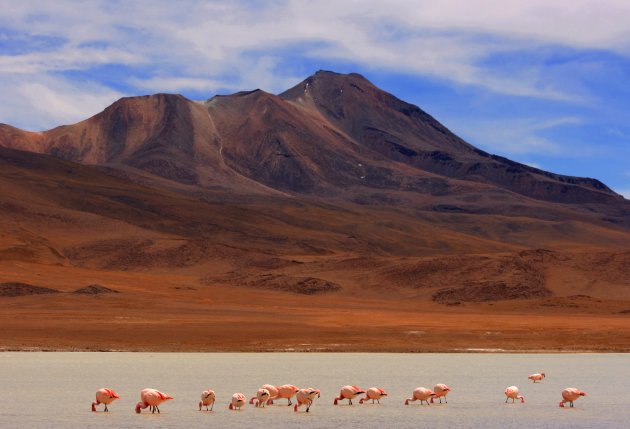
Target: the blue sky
(541, 82)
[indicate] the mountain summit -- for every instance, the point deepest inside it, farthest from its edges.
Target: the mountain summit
(327, 134)
(303, 216)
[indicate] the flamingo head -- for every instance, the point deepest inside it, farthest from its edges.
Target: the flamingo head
(406, 401)
(583, 394)
(138, 407)
(522, 399)
(543, 374)
(251, 401)
(231, 407)
(361, 401)
(94, 406)
(295, 408)
(335, 403)
(200, 405)
(561, 404)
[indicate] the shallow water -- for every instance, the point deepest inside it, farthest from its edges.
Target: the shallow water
(55, 390)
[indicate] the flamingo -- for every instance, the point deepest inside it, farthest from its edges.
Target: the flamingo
(421, 394)
(262, 395)
(348, 392)
(104, 396)
(441, 390)
(512, 393)
(306, 397)
(537, 377)
(373, 393)
(570, 394)
(273, 393)
(207, 398)
(151, 398)
(287, 391)
(238, 400)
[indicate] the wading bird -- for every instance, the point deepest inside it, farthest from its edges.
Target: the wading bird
(349, 393)
(238, 400)
(207, 399)
(373, 393)
(306, 397)
(512, 393)
(570, 394)
(421, 394)
(151, 398)
(104, 396)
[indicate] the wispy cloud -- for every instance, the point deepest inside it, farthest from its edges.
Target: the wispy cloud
(518, 136)
(207, 46)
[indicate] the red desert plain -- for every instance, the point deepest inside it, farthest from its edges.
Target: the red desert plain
(331, 217)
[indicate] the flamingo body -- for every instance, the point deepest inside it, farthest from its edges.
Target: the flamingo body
(373, 393)
(421, 394)
(287, 391)
(441, 390)
(151, 398)
(207, 399)
(537, 377)
(571, 394)
(273, 393)
(512, 393)
(349, 393)
(104, 396)
(306, 397)
(262, 396)
(238, 400)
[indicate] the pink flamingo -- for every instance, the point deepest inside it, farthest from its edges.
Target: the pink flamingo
(238, 400)
(421, 394)
(512, 393)
(151, 398)
(273, 393)
(373, 393)
(306, 397)
(537, 377)
(441, 390)
(262, 396)
(104, 396)
(348, 392)
(287, 391)
(570, 394)
(207, 398)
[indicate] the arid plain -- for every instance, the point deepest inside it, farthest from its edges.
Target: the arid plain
(333, 217)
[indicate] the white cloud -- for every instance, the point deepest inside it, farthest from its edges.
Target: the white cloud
(516, 136)
(50, 101)
(203, 46)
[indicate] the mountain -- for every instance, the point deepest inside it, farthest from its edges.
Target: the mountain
(325, 205)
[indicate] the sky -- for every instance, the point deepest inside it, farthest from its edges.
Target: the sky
(544, 83)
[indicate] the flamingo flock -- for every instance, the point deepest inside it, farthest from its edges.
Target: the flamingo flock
(153, 398)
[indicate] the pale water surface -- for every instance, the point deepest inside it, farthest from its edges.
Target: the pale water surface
(54, 390)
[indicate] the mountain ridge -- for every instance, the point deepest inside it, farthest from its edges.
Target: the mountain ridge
(361, 139)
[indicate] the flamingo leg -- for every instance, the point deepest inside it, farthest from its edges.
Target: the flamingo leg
(106, 410)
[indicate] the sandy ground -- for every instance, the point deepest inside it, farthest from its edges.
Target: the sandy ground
(160, 313)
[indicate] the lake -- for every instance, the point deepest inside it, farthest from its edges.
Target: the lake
(55, 389)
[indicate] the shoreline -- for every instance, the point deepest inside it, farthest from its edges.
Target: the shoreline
(320, 350)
